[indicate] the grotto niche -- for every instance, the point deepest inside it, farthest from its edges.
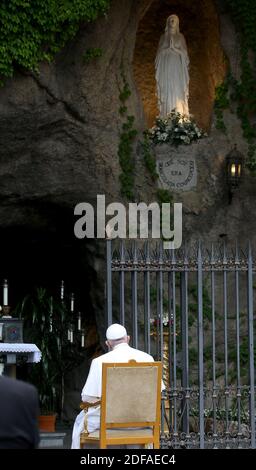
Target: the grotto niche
(40, 256)
(199, 23)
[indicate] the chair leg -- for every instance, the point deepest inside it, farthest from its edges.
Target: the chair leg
(156, 441)
(103, 444)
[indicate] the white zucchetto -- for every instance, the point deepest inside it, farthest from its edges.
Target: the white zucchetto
(115, 332)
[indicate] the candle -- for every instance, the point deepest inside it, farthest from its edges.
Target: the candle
(5, 292)
(83, 340)
(79, 322)
(62, 290)
(68, 334)
(72, 303)
(51, 311)
(71, 335)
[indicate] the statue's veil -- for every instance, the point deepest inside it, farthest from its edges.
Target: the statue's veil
(167, 23)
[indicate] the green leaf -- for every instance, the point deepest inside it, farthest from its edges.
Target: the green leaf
(35, 30)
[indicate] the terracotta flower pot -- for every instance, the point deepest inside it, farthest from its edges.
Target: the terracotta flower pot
(47, 423)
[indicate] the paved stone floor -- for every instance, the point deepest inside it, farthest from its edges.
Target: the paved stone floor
(61, 439)
(68, 439)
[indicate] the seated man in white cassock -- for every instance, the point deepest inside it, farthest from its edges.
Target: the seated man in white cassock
(119, 351)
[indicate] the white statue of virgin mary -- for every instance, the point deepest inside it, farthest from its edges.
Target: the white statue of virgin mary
(172, 70)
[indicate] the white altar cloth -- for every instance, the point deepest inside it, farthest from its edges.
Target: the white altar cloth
(34, 354)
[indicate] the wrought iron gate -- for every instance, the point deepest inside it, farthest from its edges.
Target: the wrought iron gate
(193, 310)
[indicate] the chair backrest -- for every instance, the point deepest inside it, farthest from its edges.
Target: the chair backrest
(131, 394)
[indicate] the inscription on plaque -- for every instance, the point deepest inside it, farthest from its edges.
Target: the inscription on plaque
(177, 174)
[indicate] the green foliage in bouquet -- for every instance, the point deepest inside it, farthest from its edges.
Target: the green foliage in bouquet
(175, 129)
(46, 324)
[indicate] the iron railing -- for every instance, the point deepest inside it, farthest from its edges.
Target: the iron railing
(193, 310)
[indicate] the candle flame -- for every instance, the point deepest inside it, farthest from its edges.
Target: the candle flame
(233, 170)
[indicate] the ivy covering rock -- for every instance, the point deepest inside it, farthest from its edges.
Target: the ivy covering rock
(33, 30)
(243, 90)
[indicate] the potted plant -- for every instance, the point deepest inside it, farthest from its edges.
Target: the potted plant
(46, 323)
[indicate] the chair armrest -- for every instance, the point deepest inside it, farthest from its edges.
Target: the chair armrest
(85, 405)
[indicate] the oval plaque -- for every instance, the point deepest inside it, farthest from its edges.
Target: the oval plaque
(177, 173)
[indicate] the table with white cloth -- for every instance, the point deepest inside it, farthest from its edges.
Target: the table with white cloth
(13, 351)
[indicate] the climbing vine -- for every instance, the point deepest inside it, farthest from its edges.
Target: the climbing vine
(92, 53)
(148, 157)
(34, 30)
(222, 102)
(164, 196)
(243, 91)
(125, 149)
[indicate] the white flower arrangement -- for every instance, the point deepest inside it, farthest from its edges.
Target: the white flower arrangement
(175, 129)
(165, 320)
(221, 414)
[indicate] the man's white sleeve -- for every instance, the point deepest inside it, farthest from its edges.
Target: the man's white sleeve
(92, 386)
(163, 387)
(88, 399)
